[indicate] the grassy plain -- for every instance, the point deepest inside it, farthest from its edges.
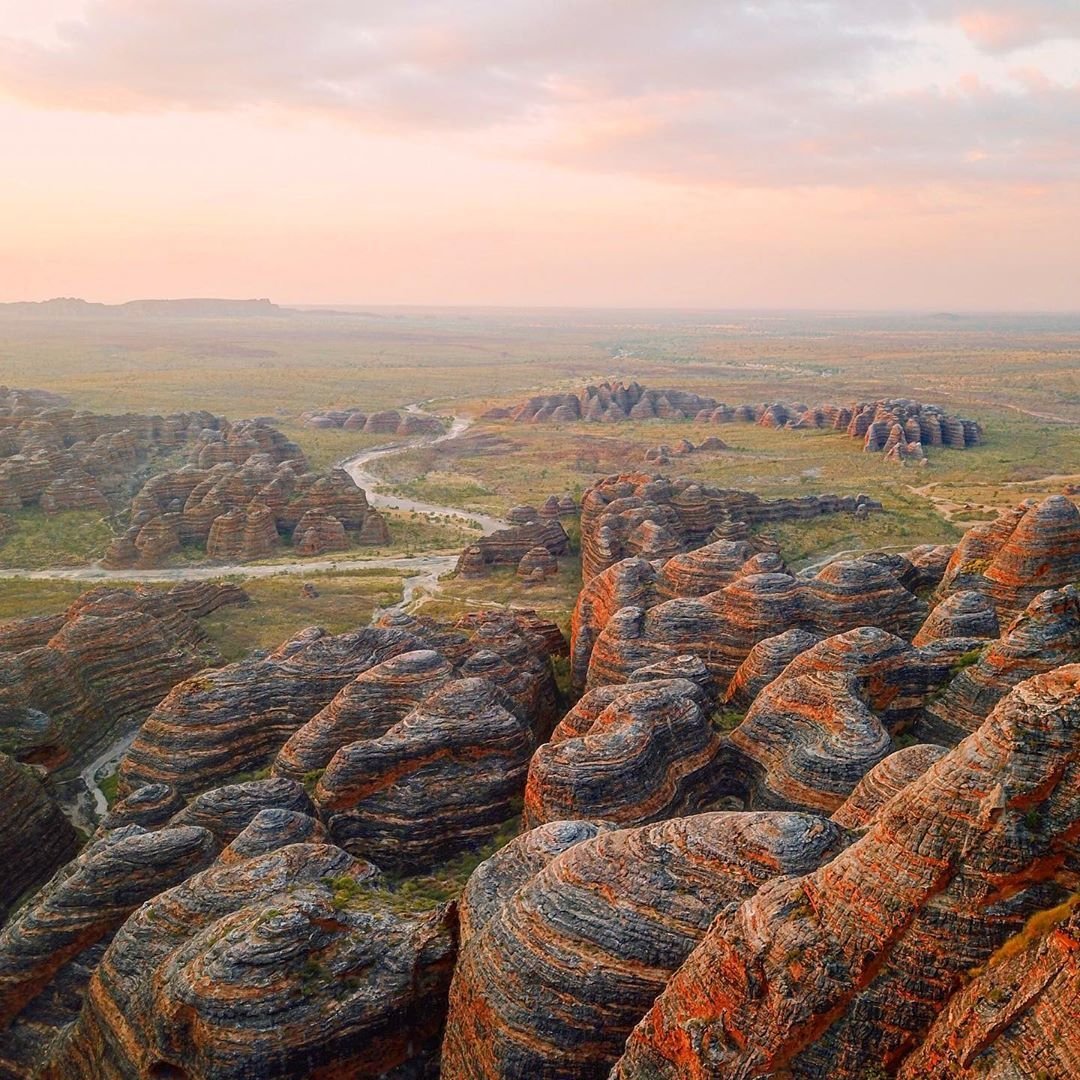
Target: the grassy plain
(1019, 375)
(278, 608)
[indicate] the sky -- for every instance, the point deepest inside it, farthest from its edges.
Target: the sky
(853, 154)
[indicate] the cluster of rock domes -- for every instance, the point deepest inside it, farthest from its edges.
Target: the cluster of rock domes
(533, 543)
(900, 427)
(759, 844)
(61, 459)
(242, 511)
(350, 728)
(384, 422)
(657, 517)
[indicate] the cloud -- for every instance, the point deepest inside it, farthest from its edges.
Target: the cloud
(774, 92)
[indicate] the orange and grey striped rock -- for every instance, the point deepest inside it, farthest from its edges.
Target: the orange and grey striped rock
(225, 812)
(724, 626)
(507, 547)
(1045, 636)
(962, 614)
(764, 663)
(566, 965)
(87, 901)
(235, 719)
(627, 583)
(637, 514)
(537, 563)
(35, 837)
(365, 708)
(846, 968)
(1016, 1018)
(295, 934)
(806, 742)
(150, 807)
(496, 879)
(627, 755)
(273, 828)
(1033, 547)
(888, 777)
(1042, 552)
(111, 656)
(440, 782)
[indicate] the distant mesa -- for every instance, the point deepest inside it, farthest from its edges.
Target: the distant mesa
(194, 308)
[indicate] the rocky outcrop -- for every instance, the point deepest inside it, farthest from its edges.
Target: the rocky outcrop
(1017, 1017)
(966, 614)
(390, 422)
(236, 718)
(366, 708)
(537, 564)
(441, 781)
(1045, 636)
(87, 901)
(239, 510)
(848, 967)
(1027, 550)
(225, 812)
(496, 879)
(637, 514)
(35, 837)
(883, 781)
(763, 664)
(507, 547)
(565, 965)
(109, 658)
(295, 933)
(722, 627)
(319, 532)
(627, 755)
(151, 807)
(882, 424)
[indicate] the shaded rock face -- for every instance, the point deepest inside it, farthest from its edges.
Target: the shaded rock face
(813, 974)
(84, 905)
(627, 755)
(1026, 551)
(1016, 1018)
(35, 837)
(442, 780)
(186, 987)
(1045, 636)
(103, 664)
(565, 965)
